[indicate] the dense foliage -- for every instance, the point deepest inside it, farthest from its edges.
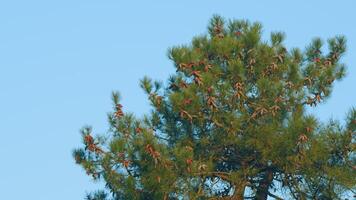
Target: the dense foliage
(230, 123)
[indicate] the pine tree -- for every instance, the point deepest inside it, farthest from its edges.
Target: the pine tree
(231, 123)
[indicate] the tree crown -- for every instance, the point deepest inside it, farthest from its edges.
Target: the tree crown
(230, 122)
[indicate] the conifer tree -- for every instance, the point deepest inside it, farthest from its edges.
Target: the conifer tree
(231, 123)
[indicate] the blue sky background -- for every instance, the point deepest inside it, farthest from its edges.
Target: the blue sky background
(60, 60)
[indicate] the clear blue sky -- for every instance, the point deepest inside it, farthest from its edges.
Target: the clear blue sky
(60, 60)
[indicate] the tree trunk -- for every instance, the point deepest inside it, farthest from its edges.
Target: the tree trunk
(262, 190)
(239, 192)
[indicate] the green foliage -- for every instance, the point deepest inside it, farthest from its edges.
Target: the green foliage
(230, 122)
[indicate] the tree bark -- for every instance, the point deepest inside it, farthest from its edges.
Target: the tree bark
(262, 190)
